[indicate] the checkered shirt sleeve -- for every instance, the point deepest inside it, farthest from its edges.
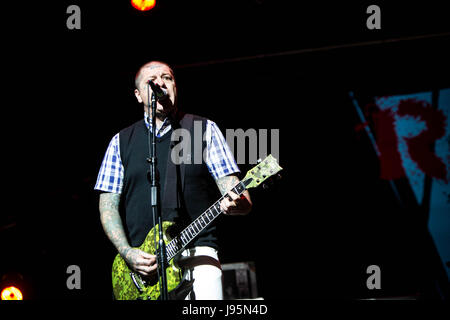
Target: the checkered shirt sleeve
(110, 176)
(219, 158)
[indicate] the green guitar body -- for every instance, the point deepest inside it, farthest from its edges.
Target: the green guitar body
(128, 285)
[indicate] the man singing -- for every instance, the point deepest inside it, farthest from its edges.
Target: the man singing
(185, 194)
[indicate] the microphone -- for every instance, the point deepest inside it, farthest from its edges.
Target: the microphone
(160, 93)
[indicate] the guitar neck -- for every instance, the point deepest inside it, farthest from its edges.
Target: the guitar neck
(198, 225)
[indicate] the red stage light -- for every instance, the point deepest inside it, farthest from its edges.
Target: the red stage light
(11, 293)
(143, 5)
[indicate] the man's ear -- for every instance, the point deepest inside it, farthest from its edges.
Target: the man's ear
(138, 95)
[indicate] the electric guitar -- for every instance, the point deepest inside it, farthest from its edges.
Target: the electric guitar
(129, 285)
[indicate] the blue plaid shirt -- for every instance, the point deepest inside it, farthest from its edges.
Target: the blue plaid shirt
(219, 158)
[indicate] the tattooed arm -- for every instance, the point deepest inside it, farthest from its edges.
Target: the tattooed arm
(112, 223)
(140, 261)
(238, 205)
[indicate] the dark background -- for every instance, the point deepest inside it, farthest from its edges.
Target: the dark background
(241, 64)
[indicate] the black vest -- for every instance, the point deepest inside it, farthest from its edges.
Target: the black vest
(187, 190)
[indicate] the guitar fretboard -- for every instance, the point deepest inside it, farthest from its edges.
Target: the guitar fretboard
(198, 225)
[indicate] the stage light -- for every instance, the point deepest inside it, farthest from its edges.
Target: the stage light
(11, 293)
(143, 5)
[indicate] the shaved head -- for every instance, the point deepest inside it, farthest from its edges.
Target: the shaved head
(150, 65)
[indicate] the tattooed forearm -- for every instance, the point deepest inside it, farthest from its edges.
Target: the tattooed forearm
(226, 183)
(112, 223)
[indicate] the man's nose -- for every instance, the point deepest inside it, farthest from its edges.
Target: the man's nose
(159, 81)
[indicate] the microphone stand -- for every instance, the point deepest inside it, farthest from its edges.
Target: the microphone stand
(161, 255)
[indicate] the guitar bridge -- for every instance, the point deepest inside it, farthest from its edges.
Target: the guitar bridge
(136, 279)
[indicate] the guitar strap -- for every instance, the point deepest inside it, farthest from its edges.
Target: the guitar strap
(175, 173)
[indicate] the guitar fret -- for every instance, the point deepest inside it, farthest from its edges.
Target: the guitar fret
(169, 249)
(177, 243)
(199, 224)
(188, 236)
(183, 240)
(172, 251)
(181, 237)
(217, 208)
(214, 211)
(239, 188)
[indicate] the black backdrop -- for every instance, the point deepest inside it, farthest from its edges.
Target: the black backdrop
(314, 233)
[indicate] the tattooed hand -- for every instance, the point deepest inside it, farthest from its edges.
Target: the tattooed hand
(233, 204)
(141, 262)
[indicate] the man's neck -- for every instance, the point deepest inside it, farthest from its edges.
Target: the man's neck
(159, 119)
(159, 122)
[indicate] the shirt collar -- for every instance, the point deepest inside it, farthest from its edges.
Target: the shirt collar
(165, 127)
